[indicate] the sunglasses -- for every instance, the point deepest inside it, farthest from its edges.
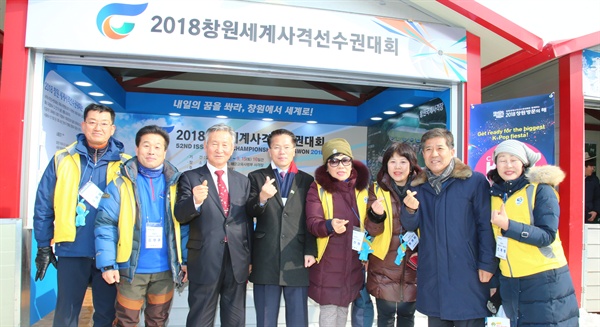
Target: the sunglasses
(336, 162)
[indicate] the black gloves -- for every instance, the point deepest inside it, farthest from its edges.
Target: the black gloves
(44, 257)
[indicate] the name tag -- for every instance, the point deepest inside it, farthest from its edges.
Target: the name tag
(411, 239)
(91, 193)
(154, 236)
(501, 247)
(357, 238)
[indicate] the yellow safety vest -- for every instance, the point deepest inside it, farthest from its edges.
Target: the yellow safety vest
(327, 203)
(524, 259)
(127, 217)
(67, 165)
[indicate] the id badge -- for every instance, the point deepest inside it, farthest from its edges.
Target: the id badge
(411, 239)
(501, 247)
(357, 238)
(91, 193)
(154, 236)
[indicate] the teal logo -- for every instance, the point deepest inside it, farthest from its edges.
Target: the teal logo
(118, 9)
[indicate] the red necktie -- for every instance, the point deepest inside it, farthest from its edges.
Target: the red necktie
(223, 194)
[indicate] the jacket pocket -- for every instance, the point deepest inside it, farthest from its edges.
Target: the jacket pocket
(194, 244)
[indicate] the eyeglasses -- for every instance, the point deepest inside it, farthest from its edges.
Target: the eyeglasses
(102, 124)
(336, 162)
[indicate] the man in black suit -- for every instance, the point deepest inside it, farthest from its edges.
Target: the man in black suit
(212, 199)
(282, 249)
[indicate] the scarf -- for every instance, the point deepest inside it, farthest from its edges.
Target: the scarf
(436, 181)
(401, 190)
(150, 173)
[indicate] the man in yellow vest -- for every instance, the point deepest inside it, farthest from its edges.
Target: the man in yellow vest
(65, 210)
(139, 243)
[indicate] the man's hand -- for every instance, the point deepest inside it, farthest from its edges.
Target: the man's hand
(593, 215)
(185, 275)
(44, 257)
(485, 276)
(200, 192)
(309, 260)
(339, 225)
(411, 203)
(268, 190)
(378, 207)
(499, 218)
(111, 276)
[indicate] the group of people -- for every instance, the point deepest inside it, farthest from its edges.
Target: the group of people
(136, 228)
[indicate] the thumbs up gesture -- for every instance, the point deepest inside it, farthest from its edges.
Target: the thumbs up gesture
(411, 203)
(200, 192)
(499, 218)
(377, 206)
(268, 190)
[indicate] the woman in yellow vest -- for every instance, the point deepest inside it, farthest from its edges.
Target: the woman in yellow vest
(535, 282)
(392, 275)
(336, 206)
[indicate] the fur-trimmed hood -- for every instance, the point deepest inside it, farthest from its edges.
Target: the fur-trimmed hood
(548, 174)
(461, 171)
(359, 176)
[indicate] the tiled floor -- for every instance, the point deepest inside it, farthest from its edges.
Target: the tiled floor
(85, 317)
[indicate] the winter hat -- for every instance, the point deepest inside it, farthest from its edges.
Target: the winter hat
(334, 146)
(519, 150)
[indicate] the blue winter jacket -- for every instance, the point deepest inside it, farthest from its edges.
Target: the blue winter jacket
(456, 240)
(107, 224)
(43, 218)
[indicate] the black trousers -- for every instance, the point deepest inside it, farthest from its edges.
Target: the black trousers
(230, 295)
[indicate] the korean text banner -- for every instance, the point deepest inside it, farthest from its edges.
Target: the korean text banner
(187, 135)
(529, 120)
(245, 32)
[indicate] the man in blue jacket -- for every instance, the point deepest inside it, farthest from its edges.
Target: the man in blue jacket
(451, 209)
(65, 209)
(137, 236)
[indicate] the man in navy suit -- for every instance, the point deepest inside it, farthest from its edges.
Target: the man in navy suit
(282, 249)
(212, 199)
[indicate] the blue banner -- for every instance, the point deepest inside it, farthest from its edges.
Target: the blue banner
(529, 120)
(187, 135)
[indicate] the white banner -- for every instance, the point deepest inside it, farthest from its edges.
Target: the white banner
(248, 32)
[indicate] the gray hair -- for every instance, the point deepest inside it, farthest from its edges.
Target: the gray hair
(438, 132)
(221, 127)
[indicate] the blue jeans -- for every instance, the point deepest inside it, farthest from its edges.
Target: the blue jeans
(363, 313)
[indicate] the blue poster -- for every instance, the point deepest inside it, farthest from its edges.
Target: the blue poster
(187, 135)
(529, 120)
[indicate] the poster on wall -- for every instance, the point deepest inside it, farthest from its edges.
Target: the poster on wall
(529, 120)
(187, 135)
(62, 114)
(591, 74)
(408, 127)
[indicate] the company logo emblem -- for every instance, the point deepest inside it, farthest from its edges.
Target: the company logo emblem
(117, 9)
